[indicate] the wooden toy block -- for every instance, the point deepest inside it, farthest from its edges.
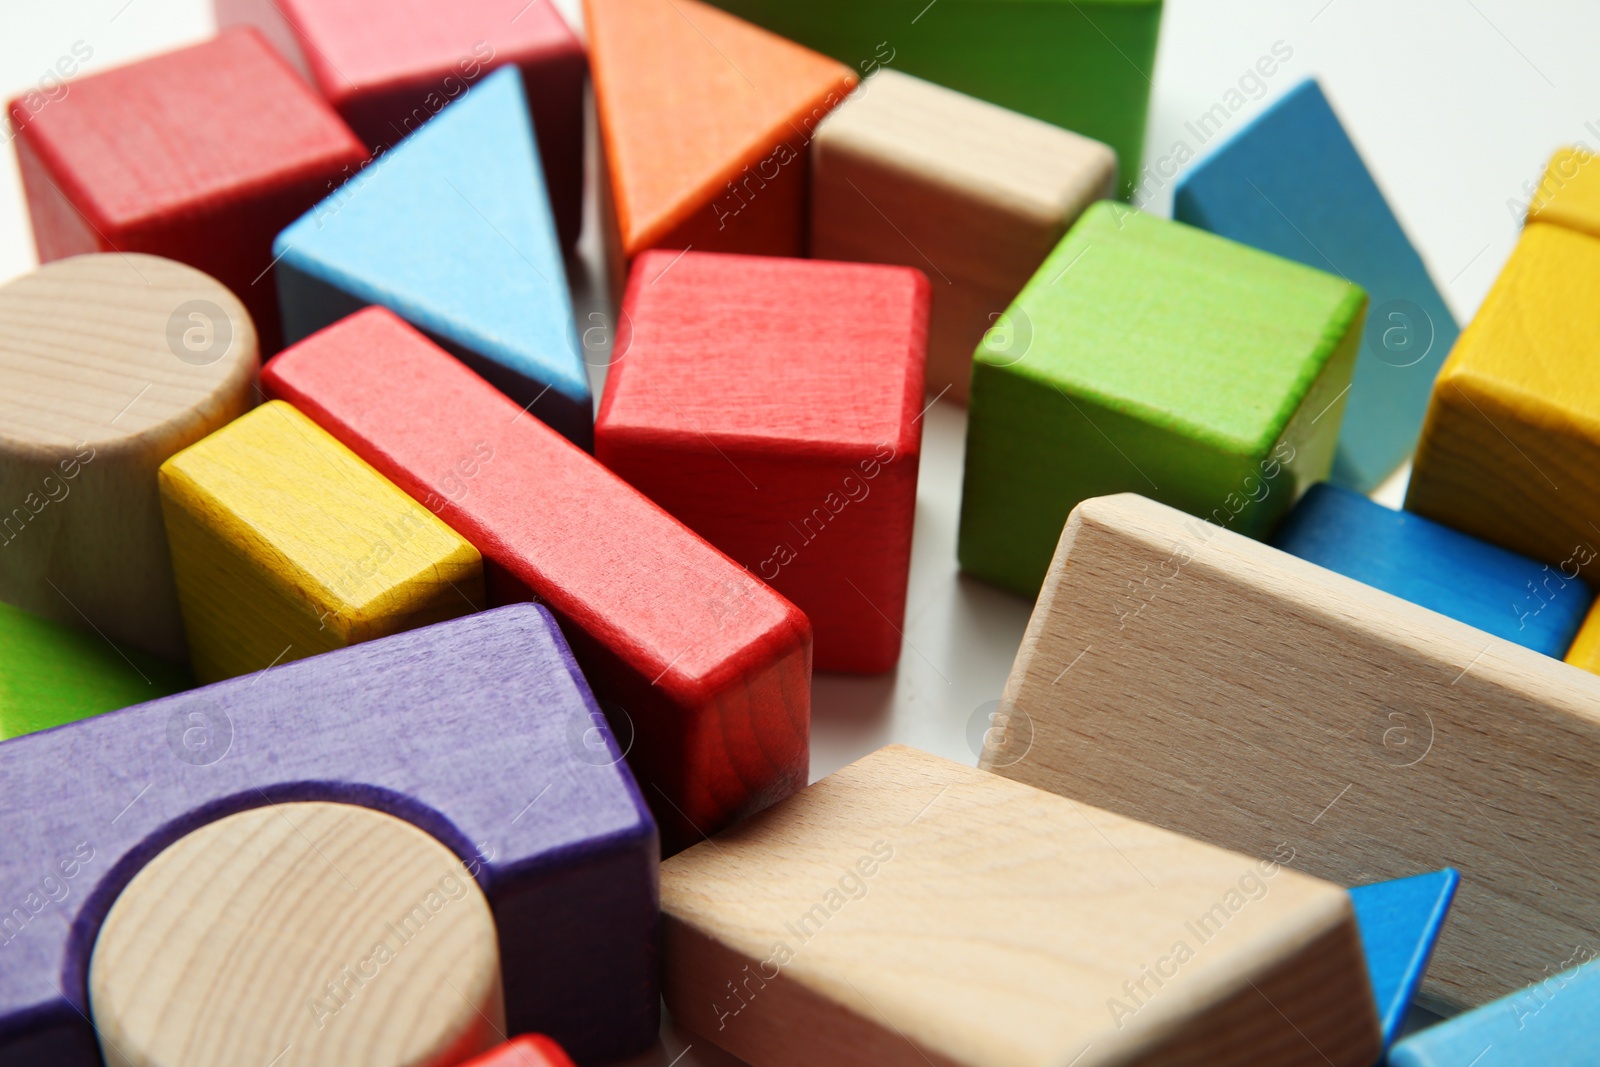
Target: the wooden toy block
(1548, 1024)
(909, 172)
(704, 122)
(1291, 183)
(1510, 450)
(1569, 193)
(51, 674)
(1584, 651)
(111, 364)
(529, 1050)
(451, 230)
(474, 730)
(704, 669)
(909, 910)
(774, 407)
(286, 544)
(200, 155)
(1483, 585)
(1400, 923)
(1181, 674)
(1081, 64)
(313, 932)
(387, 68)
(1151, 357)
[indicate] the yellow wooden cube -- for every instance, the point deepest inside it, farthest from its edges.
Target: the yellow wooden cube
(1569, 193)
(1510, 450)
(286, 544)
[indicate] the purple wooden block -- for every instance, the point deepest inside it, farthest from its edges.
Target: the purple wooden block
(480, 731)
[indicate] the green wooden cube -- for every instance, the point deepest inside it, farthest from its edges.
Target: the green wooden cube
(1147, 356)
(1081, 64)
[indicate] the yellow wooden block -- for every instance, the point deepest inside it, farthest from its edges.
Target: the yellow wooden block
(1585, 650)
(1510, 449)
(1569, 193)
(286, 544)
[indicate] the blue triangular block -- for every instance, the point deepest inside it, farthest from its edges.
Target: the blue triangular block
(1399, 923)
(452, 231)
(1549, 1024)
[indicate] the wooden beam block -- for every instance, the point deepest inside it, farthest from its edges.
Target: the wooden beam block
(52, 674)
(1292, 183)
(200, 155)
(1400, 923)
(1480, 584)
(387, 68)
(1148, 356)
(298, 934)
(1510, 450)
(1184, 675)
(529, 1050)
(909, 910)
(112, 363)
(285, 544)
(474, 730)
(704, 668)
(1549, 1024)
(908, 172)
(452, 231)
(1569, 193)
(774, 407)
(1084, 65)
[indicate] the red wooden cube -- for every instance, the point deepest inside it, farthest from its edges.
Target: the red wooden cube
(774, 407)
(529, 1050)
(200, 155)
(387, 66)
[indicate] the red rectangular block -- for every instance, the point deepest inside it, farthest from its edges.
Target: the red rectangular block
(200, 155)
(774, 406)
(704, 672)
(529, 1050)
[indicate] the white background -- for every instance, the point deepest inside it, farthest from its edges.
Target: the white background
(1455, 104)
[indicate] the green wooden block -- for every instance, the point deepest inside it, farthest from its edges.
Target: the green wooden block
(52, 674)
(1082, 64)
(1147, 356)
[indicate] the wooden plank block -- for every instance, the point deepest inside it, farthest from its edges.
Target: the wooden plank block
(285, 544)
(298, 934)
(1184, 675)
(774, 407)
(908, 172)
(1568, 194)
(1084, 65)
(1147, 356)
(472, 729)
(200, 155)
(1480, 584)
(705, 668)
(452, 231)
(909, 910)
(111, 364)
(1549, 1024)
(1510, 451)
(52, 674)
(1400, 923)
(389, 67)
(529, 1050)
(1292, 183)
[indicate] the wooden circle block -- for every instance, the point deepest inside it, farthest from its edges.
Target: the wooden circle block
(316, 933)
(111, 364)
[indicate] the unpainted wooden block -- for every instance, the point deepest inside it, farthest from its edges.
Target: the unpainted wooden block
(1548, 1024)
(111, 364)
(1568, 194)
(774, 406)
(909, 910)
(975, 196)
(1148, 356)
(286, 544)
(1181, 674)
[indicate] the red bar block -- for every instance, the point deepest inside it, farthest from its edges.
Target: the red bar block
(774, 406)
(200, 155)
(705, 672)
(529, 1050)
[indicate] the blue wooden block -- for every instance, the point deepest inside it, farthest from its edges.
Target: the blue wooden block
(452, 231)
(1553, 1023)
(1400, 922)
(1291, 183)
(1419, 560)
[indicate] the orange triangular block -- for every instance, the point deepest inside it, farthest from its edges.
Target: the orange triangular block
(706, 120)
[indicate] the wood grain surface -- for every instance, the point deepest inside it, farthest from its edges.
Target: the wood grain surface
(910, 910)
(298, 935)
(111, 363)
(285, 544)
(1184, 675)
(975, 196)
